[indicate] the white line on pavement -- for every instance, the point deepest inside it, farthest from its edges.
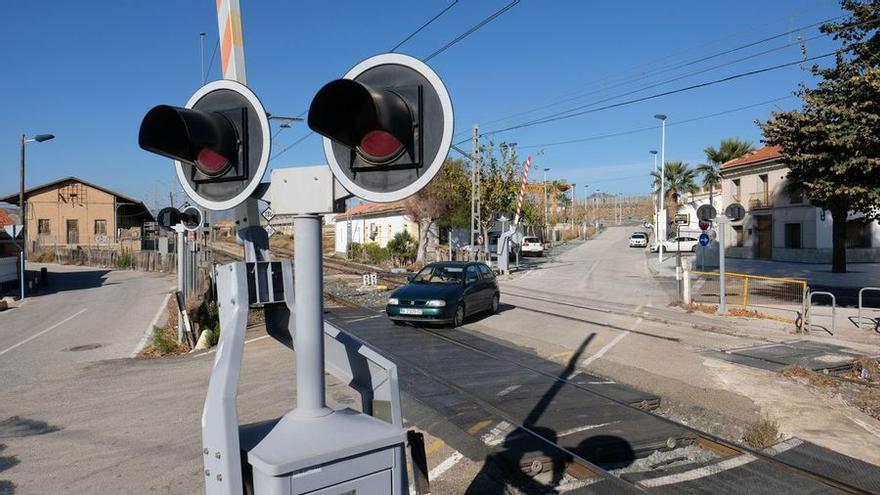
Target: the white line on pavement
(698, 473)
(444, 466)
(507, 390)
(149, 331)
(214, 349)
(602, 351)
(583, 428)
(53, 327)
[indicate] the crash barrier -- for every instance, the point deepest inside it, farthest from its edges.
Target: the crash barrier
(810, 314)
(861, 305)
(749, 291)
(8, 269)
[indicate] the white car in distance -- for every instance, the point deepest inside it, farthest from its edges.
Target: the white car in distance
(682, 243)
(638, 239)
(532, 246)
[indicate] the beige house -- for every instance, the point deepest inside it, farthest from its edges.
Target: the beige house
(71, 212)
(782, 227)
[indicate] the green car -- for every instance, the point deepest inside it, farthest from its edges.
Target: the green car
(445, 292)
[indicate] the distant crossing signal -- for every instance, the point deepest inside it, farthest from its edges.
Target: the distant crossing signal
(219, 141)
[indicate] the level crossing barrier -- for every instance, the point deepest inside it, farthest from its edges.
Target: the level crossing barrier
(861, 305)
(809, 315)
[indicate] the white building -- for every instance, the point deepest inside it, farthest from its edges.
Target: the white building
(689, 204)
(372, 222)
(781, 227)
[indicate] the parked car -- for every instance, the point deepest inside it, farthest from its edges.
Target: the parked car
(685, 243)
(638, 239)
(445, 292)
(532, 246)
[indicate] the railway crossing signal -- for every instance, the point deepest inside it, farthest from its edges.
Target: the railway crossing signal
(219, 142)
(387, 126)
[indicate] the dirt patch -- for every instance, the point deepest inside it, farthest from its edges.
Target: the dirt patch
(700, 418)
(865, 368)
(802, 373)
(709, 309)
(761, 434)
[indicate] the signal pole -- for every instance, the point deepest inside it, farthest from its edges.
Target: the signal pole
(476, 166)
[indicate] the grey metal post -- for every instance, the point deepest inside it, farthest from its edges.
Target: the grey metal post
(22, 217)
(722, 300)
(308, 285)
(181, 280)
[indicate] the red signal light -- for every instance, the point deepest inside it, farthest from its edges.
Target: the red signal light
(380, 147)
(211, 163)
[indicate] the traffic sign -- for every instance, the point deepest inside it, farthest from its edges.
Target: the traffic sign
(682, 219)
(268, 214)
(704, 225)
(706, 212)
(12, 230)
(270, 230)
(735, 212)
(704, 239)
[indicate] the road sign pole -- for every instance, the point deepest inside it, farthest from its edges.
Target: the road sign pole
(722, 299)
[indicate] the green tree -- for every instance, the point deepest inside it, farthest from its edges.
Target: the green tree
(729, 149)
(832, 145)
(438, 202)
(680, 179)
(500, 176)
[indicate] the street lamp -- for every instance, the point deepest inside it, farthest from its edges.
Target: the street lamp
(662, 118)
(22, 211)
(545, 203)
(657, 209)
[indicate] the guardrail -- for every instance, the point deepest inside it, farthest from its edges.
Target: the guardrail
(861, 291)
(748, 291)
(808, 318)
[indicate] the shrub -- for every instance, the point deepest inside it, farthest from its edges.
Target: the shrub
(124, 259)
(403, 248)
(163, 343)
(376, 254)
(761, 434)
(355, 251)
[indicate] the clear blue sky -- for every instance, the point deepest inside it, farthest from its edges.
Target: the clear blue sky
(89, 71)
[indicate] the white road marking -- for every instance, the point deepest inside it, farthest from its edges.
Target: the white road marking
(783, 446)
(507, 390)
(496, 435)
(570, 484)
(601, 352)
(444, 466)
(867, 427)
(583, 428)
(149, 331)
(695, 474)
(213, 350)
(53, 327)
(364, 318)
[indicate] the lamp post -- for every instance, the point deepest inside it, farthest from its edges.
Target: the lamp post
(662, 118)
(657, 208)
(545, 204)
(39, 138)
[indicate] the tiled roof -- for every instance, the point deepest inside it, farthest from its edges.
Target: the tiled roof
(372, 210)
(5, 219)
(759, 155)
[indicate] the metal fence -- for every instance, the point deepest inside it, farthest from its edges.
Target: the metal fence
(750, 292)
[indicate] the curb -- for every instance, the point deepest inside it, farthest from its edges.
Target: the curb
(146, 337)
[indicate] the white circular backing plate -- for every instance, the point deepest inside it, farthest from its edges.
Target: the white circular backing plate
(198, 212)
(445, 140)
(264, 156)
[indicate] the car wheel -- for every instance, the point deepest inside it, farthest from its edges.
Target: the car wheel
(458, 317)
(496, 302)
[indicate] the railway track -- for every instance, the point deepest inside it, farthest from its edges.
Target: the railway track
(462, 363)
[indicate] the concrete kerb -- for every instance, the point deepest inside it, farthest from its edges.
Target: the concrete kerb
(149, 331)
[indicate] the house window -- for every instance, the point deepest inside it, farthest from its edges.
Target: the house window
(737, 236)
(763, 190)
(793, 235)
(43, 226)
(736, 189)
(858, 235)
(100, 227)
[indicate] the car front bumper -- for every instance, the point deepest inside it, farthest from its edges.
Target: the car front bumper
(428, 314)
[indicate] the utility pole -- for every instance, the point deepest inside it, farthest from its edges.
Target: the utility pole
(545, 205)
(475, 188)
(662, 119)
(202, 55)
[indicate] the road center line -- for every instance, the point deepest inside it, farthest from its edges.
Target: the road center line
(53, 327)
(602, 351)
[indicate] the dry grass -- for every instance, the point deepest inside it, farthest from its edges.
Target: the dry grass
(761, 434)
(869, 402)
(709, 309)
(757, 314)
(810, 376)
(865, 369)
(163, 343)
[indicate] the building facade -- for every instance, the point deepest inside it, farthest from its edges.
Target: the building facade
(71, 212)
(372, 223)
(784, 226)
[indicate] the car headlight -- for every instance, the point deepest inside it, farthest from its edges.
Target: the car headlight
(393, 301)
(436, 303)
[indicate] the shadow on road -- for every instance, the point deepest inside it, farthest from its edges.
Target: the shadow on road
(74, 280)
(14, 427)
(532, 449)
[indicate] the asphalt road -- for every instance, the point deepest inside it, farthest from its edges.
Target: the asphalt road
(86, 314)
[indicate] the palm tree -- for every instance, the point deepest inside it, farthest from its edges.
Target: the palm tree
(729, 149)
(680, 178)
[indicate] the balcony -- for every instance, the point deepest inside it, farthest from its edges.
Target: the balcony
(758, 201)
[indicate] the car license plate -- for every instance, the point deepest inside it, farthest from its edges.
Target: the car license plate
(410, 311)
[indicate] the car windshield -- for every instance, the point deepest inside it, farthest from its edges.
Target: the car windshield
(439, 274)
(638, 236)
(530, 239)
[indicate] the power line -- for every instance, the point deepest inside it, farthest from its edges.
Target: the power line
(211, 63)
(656, 95)
(653, 127)
(662, 70)
(423, 26)
(472, 30)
